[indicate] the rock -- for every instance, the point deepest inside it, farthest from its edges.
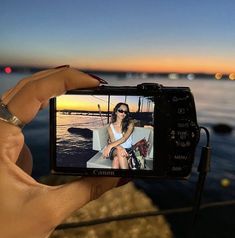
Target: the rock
(222, 128)
(87, 133)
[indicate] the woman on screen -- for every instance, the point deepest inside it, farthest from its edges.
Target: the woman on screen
(120, 136)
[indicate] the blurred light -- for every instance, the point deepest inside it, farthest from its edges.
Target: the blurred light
(190, 76)
(225, 182)
(8, 70)
(232, 76)
(218, 76)
(173, 76)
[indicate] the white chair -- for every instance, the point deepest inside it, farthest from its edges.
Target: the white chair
(100, 140)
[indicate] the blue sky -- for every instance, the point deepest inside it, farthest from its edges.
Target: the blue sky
(147, 35)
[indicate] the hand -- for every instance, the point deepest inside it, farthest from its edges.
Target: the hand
(121, 151)
(27, 208)
(106, 151)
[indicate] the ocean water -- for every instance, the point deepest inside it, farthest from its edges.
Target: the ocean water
(75, 149)
(214, 103)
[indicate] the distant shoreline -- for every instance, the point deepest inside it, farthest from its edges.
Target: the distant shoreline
(118, 73)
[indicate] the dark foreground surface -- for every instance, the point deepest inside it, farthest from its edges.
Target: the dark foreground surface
(216, 222)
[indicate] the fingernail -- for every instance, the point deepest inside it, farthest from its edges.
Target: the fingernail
(62, 66)
(98, 78)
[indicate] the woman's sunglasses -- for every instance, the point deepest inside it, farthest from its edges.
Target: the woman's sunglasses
(122, 111)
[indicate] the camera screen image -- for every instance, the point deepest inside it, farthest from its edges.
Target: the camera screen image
(104, 132)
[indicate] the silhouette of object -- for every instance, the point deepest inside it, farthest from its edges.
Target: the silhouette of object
(87, 133)
(222, 128)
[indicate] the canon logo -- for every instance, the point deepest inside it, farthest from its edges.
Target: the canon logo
(103, 172)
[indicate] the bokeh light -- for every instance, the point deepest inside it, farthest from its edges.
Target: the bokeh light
(218, 76)
(232, 76)
(8, 70)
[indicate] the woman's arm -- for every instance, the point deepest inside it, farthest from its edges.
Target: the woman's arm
(114, 142)
(111, 135)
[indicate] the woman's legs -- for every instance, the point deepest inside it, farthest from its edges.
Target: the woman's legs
(115, 164)
(122, 158)
(123, 162)
(119, 159)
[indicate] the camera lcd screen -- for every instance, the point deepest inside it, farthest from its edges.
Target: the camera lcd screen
(85, 125)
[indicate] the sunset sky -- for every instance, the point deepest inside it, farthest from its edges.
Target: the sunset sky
(127, 35)
(91, 102)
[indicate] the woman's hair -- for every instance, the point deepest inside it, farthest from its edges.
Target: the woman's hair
(126, 120)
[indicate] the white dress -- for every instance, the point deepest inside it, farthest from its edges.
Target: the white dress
(127, 144)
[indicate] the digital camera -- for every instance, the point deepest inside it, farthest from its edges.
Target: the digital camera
(161, 129)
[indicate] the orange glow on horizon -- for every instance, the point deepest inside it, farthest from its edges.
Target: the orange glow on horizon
(70, 102)
(82, 106)
(100, 102)
(138, 63)
(162, 64)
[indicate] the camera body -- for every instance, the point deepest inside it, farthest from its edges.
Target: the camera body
(164, 118)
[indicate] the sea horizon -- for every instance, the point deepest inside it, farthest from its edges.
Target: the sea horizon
(191, 75)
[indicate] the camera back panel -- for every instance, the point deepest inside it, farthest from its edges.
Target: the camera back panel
(178, 132)
(165, 117)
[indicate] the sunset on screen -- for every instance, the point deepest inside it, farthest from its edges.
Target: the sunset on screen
(100, 103)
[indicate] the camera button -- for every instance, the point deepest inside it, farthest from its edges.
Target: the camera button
(176, 168)
(183, 144)
(183, 124)
(180, 157)
(172, 134)
(179, 171)
(181, 110)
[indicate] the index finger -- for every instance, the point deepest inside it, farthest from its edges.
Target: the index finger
(28, 100)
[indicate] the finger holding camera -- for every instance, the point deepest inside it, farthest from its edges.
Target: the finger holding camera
(21, 195)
